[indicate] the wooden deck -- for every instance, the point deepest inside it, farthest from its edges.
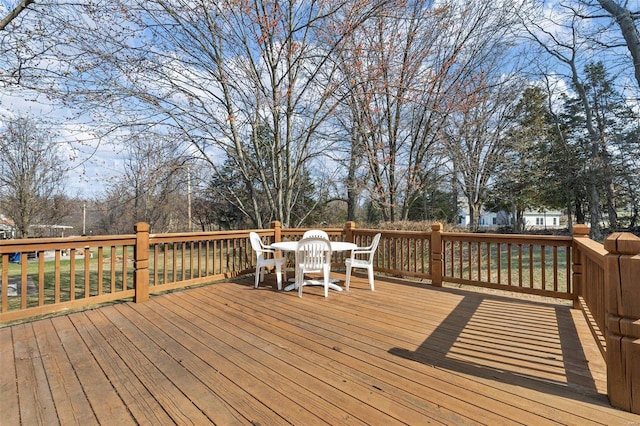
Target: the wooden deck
(230, 354)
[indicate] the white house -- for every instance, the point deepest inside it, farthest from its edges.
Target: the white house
(542, 220)
(532, 219)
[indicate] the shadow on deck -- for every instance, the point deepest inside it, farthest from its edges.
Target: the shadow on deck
(227, 353)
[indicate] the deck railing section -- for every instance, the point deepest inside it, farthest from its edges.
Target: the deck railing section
(111, 266)
(589, 276)
(40, 276)
(399, 253)
(180, 260)
(530, 264)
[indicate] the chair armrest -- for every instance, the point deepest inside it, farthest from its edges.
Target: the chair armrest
(361, 250)
(355, 253)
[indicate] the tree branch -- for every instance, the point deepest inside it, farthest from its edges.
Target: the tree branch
(14, 13)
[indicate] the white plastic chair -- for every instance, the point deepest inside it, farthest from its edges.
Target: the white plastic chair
(315, 233)
(269, 262)
(313, 255)
(362, 257)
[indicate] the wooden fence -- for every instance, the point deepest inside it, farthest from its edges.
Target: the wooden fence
(43, 276)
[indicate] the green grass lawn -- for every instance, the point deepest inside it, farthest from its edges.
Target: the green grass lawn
(90, 277)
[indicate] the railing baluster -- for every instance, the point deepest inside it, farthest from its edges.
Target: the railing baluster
(113, 269)
(520, 265)
(543, 266)
(87, 276)
(499, 256)
(5, 283)
(555, 268)
(56, 284)
(100, 278)
(72, 274)
(41, 296)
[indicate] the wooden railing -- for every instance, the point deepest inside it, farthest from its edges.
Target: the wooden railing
(531, 264)
(73, 273)
(43, 276)
(589, 276)
(40, 276)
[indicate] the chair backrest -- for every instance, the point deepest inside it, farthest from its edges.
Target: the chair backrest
(256, 243)
(313, 253)
(374, 246)
(318, 233)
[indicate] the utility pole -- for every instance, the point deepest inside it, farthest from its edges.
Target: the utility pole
(84, 219)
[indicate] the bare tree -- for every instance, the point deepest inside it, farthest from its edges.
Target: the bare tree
(153, 188)
(626, 20)
(31, 173)
(475, 139)
(215, 74)
(406, 72)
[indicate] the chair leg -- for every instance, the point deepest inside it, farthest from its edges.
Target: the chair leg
(300, 284)
(257, 277)
(370, 270)
(326, 283)
(299, 280)
(279, 276)
(347, 278)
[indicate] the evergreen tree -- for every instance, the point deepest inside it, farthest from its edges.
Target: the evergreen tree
(517, 187)
(595, 132)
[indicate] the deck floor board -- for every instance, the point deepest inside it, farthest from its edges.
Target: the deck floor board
(227, 353)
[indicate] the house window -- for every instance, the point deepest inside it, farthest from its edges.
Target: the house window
(555, 221)
(539, 221)
(495, 220)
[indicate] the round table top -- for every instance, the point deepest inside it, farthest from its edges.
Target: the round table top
(335, 246)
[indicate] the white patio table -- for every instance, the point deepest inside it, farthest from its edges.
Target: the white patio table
(335, 246)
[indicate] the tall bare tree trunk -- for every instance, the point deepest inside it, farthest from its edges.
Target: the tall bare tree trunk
(629, 31)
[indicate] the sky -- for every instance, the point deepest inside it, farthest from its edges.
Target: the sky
(91, 163)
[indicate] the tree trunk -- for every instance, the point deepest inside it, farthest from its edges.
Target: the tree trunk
(594, 212)
(611, 207)
(629, 31)
(580, 218)
(474, 216)
(352, 185)
(519, 220)
(570, 218)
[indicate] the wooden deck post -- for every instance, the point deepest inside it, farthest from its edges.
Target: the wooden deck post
(348, 231)
(622, 331)
(141, 263)
(435, 256)
(277, 231)
(579, 231)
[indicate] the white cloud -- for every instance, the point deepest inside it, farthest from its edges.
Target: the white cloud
(91, 163)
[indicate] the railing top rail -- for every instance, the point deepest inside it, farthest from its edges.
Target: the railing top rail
(393, 233)
(209, 234)
(40, 244)
(550, 240)
(591, 249)
(300, 231)
(203, 236)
